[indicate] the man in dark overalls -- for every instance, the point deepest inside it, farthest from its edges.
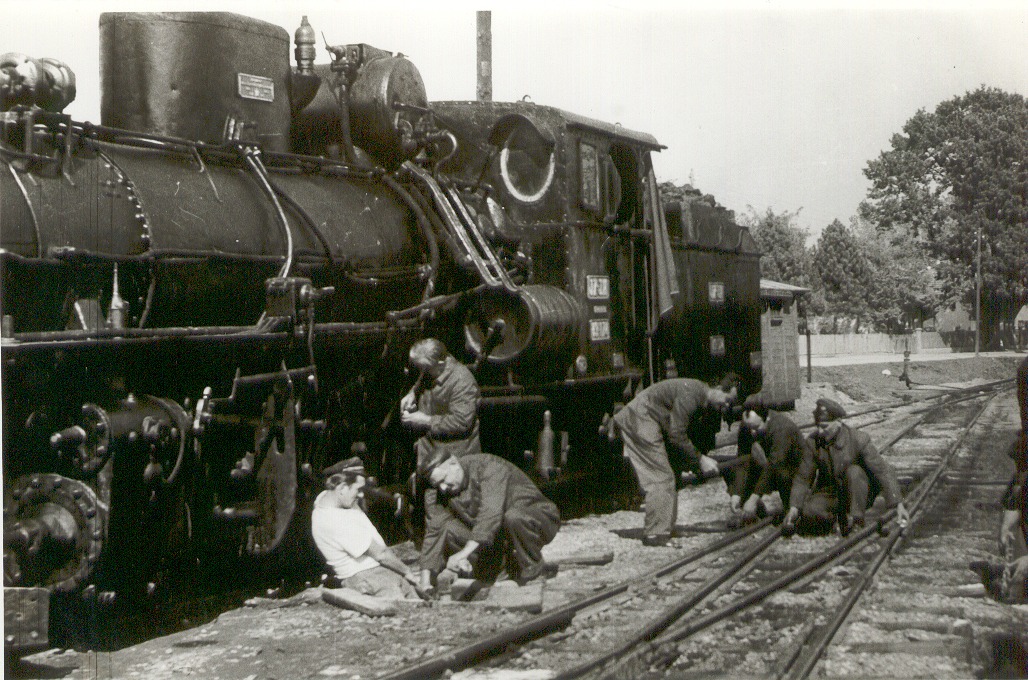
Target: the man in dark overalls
(775, 447)
(839, 478)
(443, 404)
(660, 416)
(485, 514)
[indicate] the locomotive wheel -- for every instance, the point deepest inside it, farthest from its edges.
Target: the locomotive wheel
(53, 532)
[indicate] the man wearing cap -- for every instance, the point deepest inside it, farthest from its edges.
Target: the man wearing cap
(1007, 580)
(1014, 526)
(775, 447)
(662, 411)
(485, 511)
(840, 476)
(443, 403)
(350, 543)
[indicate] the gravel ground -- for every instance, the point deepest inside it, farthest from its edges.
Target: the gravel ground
(313, 639)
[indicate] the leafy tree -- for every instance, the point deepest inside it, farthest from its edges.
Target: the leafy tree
(905, 287)
(845, 272)
(784, 254)
(783, 246)
(951, 174)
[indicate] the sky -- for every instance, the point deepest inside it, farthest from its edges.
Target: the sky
(765, 105)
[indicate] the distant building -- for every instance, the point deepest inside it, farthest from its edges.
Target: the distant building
(779, 328)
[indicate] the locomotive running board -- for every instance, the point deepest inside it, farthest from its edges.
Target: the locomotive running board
(464, 232)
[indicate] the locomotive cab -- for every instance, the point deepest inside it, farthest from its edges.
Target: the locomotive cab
(567, 196)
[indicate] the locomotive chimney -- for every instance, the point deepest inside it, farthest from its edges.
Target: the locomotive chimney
(485, 56)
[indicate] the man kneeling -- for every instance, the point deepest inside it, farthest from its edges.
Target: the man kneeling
(350, 543)
(486, 514)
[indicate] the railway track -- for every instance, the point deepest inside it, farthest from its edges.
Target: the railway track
(615, 620)
(755, 605)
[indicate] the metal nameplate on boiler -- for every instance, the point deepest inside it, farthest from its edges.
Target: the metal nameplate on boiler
(599, 330)
(597, 287)
(255, 87)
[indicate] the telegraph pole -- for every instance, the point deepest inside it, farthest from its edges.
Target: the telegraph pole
(485, 57)
(978, 293)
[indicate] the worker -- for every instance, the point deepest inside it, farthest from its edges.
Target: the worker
(772, 446)
(1007, 579)
(660, 416)
(443, 403)
(350, 543)
(839, 477)
(486, 514)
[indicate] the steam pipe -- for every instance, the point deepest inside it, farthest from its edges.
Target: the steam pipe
(67, 339)
(250, 155)
(426, 229)
(306, 218)
(342, 93)
(32, 209)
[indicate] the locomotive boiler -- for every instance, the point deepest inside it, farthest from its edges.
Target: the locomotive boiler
(208, 297)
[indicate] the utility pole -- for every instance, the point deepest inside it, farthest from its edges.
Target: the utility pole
(978, 293)
(484, 71)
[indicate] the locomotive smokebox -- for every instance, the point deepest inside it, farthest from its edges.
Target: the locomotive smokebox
(207, 76)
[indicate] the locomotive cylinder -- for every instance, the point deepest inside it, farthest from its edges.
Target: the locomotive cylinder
(539, 321)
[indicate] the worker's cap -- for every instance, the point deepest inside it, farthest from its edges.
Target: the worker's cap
(757, 404)
(828, 409)
(352, 466)
(730, 381)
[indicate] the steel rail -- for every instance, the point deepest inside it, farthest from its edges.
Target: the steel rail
(685, 605)
(801, 666)
(655, 647)
(561, 617)
(673, 613)
(554, 619)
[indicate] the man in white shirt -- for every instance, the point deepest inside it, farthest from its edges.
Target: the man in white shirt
(350, 543)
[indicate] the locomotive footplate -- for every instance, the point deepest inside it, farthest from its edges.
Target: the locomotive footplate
(26, 620)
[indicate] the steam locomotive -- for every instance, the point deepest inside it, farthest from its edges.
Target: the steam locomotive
(209, 297)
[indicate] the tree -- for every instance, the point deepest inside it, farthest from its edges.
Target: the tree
(784, 254)
(905, 285)
(845, 272)
(952, 174)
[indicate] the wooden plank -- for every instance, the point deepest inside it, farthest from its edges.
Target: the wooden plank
(348, 598)
(585, 559)
(502, 595)
(308, 596)
(951, 646)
